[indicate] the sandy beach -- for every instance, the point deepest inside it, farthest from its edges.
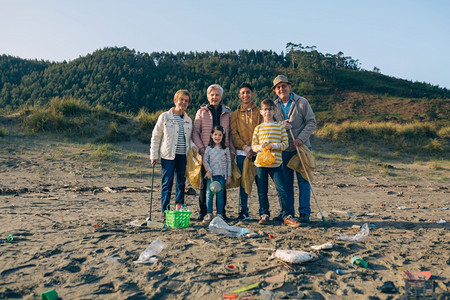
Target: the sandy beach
(68, 215)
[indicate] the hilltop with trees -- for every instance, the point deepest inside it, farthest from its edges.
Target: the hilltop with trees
(124, 80)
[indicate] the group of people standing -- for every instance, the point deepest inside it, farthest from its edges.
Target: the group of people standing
(222, 136)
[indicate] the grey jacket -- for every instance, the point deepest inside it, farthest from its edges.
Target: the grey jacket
(301, 117)
(217, 160)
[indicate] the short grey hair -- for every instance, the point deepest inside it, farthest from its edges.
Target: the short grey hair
(214, 86)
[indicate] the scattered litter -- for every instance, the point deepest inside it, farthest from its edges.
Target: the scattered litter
(95, 225)
(292, 256)
(271, 236)
(360, 236)
(343, 272)
(49, 295)
(229, 296)
(402, 207)
(413, 276)
(109, 190)
(445, 208)
(218, 225)
(441, 221)
(358, 261)
(114, 259)
(370, 225)
(10, 238)
(231, 267)
(136, 223)
(323, 246)
(148, 256)
(322, 214)
(345, 212)
(371, 214)
(252, 286)
(356, 227)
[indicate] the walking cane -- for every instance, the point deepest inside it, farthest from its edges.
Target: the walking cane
(309, 180)
(150, 222)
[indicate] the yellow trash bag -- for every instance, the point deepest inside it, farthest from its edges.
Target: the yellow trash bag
(235, 176)
(308, 160)
(248, 175)
(265, 158)
(193, 168)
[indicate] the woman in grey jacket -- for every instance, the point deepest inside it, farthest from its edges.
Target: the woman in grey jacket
(171, 139)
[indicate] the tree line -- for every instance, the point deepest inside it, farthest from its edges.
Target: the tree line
(124, 80)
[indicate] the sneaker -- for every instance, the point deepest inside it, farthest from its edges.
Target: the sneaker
(243, 217)
(264, 219)
(291, 222)
(278, 218)
(304, 218)
(208, 218)
(200, 217)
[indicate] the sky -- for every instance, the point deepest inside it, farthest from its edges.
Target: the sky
(408, 39)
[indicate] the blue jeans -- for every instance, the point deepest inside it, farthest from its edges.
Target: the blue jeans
(243, 196)
(262, 181)
(170, 168)
(219, 196)
(304, 189)
(202, 197)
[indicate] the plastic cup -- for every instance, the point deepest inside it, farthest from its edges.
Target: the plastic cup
(49, 295)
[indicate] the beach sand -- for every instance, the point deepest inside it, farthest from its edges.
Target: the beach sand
(69, 217)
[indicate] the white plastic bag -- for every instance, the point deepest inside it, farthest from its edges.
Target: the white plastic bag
(323, 246)
(293, 256)
(359, 237)
(148, 255)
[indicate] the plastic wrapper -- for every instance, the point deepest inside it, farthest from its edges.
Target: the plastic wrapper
(323, 246)
(359, 237)
(293, 256)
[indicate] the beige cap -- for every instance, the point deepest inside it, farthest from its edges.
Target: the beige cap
(279, 79)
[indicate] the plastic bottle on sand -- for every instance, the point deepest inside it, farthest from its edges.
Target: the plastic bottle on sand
(218, 225)
(153, 249)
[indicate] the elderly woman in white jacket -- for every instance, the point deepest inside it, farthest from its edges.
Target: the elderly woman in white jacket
(171, 139)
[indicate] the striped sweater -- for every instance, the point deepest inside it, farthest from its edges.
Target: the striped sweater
(273, 133)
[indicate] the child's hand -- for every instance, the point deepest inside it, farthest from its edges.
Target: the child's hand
(267, 146)
(228, 179)
(208, 174)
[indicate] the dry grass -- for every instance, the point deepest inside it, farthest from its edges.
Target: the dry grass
(421, 138)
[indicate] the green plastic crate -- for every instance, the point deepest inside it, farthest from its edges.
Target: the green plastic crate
(176, 218)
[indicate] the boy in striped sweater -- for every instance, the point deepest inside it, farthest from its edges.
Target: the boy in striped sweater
(273, 136)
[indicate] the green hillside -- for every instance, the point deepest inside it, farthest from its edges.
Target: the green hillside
(123, 80)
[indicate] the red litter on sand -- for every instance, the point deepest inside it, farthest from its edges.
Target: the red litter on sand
(271, 236)
(96, 225)
(414, 276)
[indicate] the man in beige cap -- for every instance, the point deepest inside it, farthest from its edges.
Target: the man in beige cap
(296, 114)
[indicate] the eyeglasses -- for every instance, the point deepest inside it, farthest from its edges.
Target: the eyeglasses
(266, 109)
